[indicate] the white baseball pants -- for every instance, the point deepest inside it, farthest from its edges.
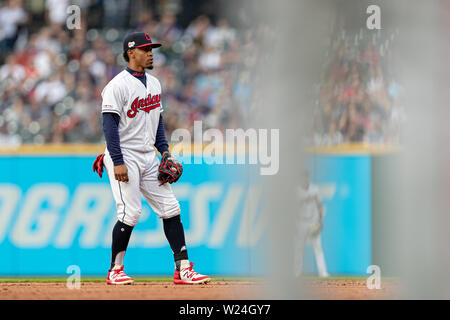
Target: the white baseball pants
(303, 237)
(142, 181)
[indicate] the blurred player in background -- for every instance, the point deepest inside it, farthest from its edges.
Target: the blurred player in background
(309, 225)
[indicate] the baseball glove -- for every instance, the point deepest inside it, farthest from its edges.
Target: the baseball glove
(98, 165)
(315, 229)
(170, 169)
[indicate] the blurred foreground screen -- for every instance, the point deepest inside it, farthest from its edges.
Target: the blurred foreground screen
(313, 136)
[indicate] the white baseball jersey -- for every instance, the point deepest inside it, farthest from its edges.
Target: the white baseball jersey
(139, 109)
(309, 199)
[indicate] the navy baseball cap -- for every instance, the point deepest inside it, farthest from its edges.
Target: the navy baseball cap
(138, 40)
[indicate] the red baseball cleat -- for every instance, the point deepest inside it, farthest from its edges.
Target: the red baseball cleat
(117, 276)
(189, 276)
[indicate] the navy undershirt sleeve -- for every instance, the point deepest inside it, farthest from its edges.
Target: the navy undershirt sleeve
(160, 141)
(111, 131)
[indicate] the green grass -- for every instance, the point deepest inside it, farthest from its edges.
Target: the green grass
(169, 279)
(356, 278)
(103, 279)
(336, 278)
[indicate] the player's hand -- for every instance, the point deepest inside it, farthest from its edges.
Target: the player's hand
(121, 173)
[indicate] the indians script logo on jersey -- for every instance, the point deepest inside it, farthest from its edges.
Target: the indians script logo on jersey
(147, 104)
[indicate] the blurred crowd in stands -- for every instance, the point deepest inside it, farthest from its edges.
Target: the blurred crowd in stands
(359, 99)
(51, 78)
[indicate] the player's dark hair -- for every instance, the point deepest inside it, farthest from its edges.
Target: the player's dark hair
(125, 56)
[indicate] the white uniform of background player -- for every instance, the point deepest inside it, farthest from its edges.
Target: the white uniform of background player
(309, 218)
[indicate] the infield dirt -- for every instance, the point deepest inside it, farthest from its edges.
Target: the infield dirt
(217, 290)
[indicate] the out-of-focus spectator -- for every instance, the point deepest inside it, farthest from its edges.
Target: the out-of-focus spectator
(50, 91)
(115, 13)
(198, 29)
(56, 12)
(167, 30)
(57, 76)
(11, 71)
(356, 103)
(220, 37)
(12, 16)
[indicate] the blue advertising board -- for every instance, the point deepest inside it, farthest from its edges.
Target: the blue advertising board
(55, 212)
(344, 182)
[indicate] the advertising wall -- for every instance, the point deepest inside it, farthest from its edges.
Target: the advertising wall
(55, 212)
(344, 182)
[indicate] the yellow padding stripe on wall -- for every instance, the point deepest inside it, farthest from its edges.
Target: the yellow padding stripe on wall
(53, 149)
(60, 149)
(354, 148)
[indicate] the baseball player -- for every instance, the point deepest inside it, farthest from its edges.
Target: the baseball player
(133, 128)
(309, 226)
